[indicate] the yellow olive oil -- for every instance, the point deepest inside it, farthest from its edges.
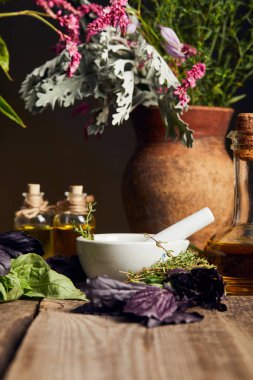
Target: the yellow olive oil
(235, 263)
(43, 234)
(64, 240)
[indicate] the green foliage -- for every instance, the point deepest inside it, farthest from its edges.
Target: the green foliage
(221, 29)
(86, 232)
(158, 272)
(8, 111)
(5, 107)
(31, 276)
(110, 71)
(4, 57)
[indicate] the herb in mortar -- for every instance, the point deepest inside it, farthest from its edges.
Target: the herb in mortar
(181, 282)
(157, 273)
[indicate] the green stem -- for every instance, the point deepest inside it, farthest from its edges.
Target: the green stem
(139, 7)
(34, 14)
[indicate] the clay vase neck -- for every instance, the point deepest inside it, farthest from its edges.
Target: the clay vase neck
(205, 121)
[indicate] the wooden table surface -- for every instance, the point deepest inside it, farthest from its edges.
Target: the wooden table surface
(46, 341)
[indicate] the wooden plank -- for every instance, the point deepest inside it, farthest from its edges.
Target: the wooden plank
(15, 318)
(73, 346)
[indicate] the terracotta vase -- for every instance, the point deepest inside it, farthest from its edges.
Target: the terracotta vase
(165, 181)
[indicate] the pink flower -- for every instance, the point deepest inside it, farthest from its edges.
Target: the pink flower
(114, 15)
(70, 21)
(188, 50)
(197, 72)
(84, 9)
(75, 57)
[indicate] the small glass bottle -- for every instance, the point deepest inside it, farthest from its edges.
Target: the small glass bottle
(35, 217)
(231, 249)
(72, 210)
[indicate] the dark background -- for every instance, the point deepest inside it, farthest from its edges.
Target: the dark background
(52, 151)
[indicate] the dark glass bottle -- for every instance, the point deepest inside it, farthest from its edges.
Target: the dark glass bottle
(231, 249)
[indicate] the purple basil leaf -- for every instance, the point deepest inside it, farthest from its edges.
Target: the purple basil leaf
(104, 291)
(14, 244)
(68, 266)
(5, 262)
(152, 302)
(19, 243)
(201, 286)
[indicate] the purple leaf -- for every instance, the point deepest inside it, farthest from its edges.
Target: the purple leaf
(14, 244)
(201, 286)
(152, 302)
(104, 291)
(19, 243)
(68, 266)
(5, 262)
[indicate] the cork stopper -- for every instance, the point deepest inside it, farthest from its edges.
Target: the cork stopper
(76, 189)
(33, 188)
(244, 122)
(33, 196)
(242, 138)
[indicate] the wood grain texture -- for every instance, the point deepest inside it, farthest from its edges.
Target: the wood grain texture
(62, 345)
(15, 318)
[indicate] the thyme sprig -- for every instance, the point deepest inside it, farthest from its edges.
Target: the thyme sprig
(86, 230)
(157, 273)
(159, 244)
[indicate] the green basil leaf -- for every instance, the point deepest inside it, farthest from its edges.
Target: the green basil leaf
(3, 293)
(37, 279)
(8, 111)
(12, 286)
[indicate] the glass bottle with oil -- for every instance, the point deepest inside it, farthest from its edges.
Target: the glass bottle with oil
(72, 210)
(231, 249)
(35, 217)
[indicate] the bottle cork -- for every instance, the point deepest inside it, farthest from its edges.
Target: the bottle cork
(242, 138)
(33, 188)
(33, 197)
(76, 189)
(244, 122)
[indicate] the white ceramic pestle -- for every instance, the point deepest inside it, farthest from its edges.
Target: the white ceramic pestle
(187, 226)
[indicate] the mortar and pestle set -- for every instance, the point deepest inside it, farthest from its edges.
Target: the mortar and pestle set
(114, 253)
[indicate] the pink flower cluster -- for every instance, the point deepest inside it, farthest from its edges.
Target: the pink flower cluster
(69, 19)
(188, 50)
(197, 72)
(114, 15)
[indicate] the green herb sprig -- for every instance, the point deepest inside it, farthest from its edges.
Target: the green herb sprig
(86, 232)
(157, 273)
(222, 30)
